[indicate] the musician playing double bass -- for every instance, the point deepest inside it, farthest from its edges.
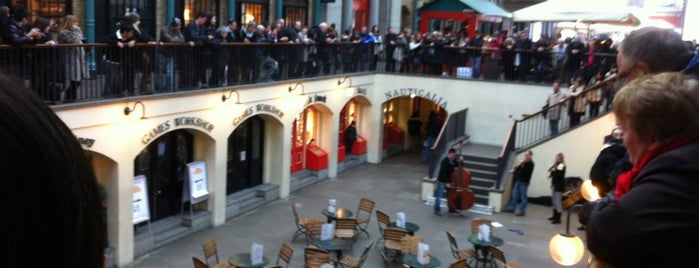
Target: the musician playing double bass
(446, 168)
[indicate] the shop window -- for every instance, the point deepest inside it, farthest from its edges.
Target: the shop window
(295, 10)
(117, 9)
(54, 10)
(193, 7)
(252, 11)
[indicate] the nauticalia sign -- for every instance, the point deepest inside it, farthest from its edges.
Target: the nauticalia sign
(417, 92)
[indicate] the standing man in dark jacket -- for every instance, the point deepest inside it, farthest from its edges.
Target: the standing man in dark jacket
(476, 53)
(350, 137)
(522, 174)
(446, 167)
(118, 62)
(390, 40)
(196, 32)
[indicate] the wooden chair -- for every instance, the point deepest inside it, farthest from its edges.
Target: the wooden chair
(456, 251)
(211, 250)
(301, 222)
(500, 256)
(346, 228)
(285, 254)
(354, 262)
(363, 215)
(316, 257)
(460, 263)
(382, 220)
(198, 263)
(393, 240)
(409, 244)
(313, 231)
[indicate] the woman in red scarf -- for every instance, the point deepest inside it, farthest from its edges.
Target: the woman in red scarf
(654, 218)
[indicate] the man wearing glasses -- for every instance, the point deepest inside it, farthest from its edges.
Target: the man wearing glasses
(651, 50)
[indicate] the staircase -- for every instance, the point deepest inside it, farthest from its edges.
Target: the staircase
(304, 178)
(482, 162)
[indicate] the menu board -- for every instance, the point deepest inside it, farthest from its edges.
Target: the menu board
(198, 186)
(141, 210)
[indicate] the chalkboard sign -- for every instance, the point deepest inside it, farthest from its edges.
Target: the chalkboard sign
(198, 186)
(141, 210)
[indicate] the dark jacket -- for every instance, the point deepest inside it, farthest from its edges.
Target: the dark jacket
(605, 162)
(17, 36)
(523, 172)
(446, 168)
(558, 181)
(654, 224)
(115, 53)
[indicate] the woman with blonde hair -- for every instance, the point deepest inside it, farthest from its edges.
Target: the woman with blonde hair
(557, 173)
(74, 57)
(652, 218)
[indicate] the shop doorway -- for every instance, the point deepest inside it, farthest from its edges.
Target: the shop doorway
(245, 155)
(164, 163)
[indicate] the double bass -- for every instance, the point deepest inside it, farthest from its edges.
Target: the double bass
(460, 197)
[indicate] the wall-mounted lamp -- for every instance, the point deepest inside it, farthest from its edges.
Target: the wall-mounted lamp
(361, 90)
(566, 248)
(295, 86)
(225, 97)
(128, 110)
(341, 81)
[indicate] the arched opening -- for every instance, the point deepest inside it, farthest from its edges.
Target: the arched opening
(246, 155)
(353, 111)
(106, 171)
(396, 115)
(164, 164)
(309, 142)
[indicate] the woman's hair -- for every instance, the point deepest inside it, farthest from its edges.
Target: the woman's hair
(41, 23)
(67, 23)
(52, 213)
(660, 108)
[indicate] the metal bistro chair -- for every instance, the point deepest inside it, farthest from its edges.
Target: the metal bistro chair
(383, 220)
(456, 251)
(500, 256)
(198, 263)
(346, 228)
(363, 215)
(354, 262)
(460, 263)
(393, 240)
(301, 223)
(211, 250)
(316, 257)
(285, 254)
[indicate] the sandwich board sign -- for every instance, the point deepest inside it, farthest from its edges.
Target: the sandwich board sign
(141, 210)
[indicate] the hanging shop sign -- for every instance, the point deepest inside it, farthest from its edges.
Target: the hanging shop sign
(416, 92)
(184, 121)
(259, 108)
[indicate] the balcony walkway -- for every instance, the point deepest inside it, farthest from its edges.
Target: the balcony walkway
(395, 186)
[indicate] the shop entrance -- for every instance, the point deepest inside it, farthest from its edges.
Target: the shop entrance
(303, 136)
(396, 114)
(164, 163)
(245, 155)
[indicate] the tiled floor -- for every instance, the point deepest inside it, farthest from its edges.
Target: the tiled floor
(395, 186)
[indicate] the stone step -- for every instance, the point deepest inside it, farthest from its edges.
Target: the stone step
(480, 159)
(469, 164)
(481, 183)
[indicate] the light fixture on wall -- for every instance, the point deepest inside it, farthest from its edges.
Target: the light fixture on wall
(567, 248)
(342, 81)
(128, 110)
(225, 97)
(291, 89)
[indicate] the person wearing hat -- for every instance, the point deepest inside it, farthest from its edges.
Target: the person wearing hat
(143, 55)
(167, 59)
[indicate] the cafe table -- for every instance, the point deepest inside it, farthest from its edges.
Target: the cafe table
(340, 213)
(483, 246)
(410, 228)
(411, 260)
(333, 245)
(243, 260)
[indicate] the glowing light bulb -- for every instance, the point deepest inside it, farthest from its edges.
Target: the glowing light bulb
(589, 192)
(566, 249)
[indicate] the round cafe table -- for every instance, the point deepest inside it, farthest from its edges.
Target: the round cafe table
(243, 260)
(483, 247)
(340, 213)
(410, 228)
